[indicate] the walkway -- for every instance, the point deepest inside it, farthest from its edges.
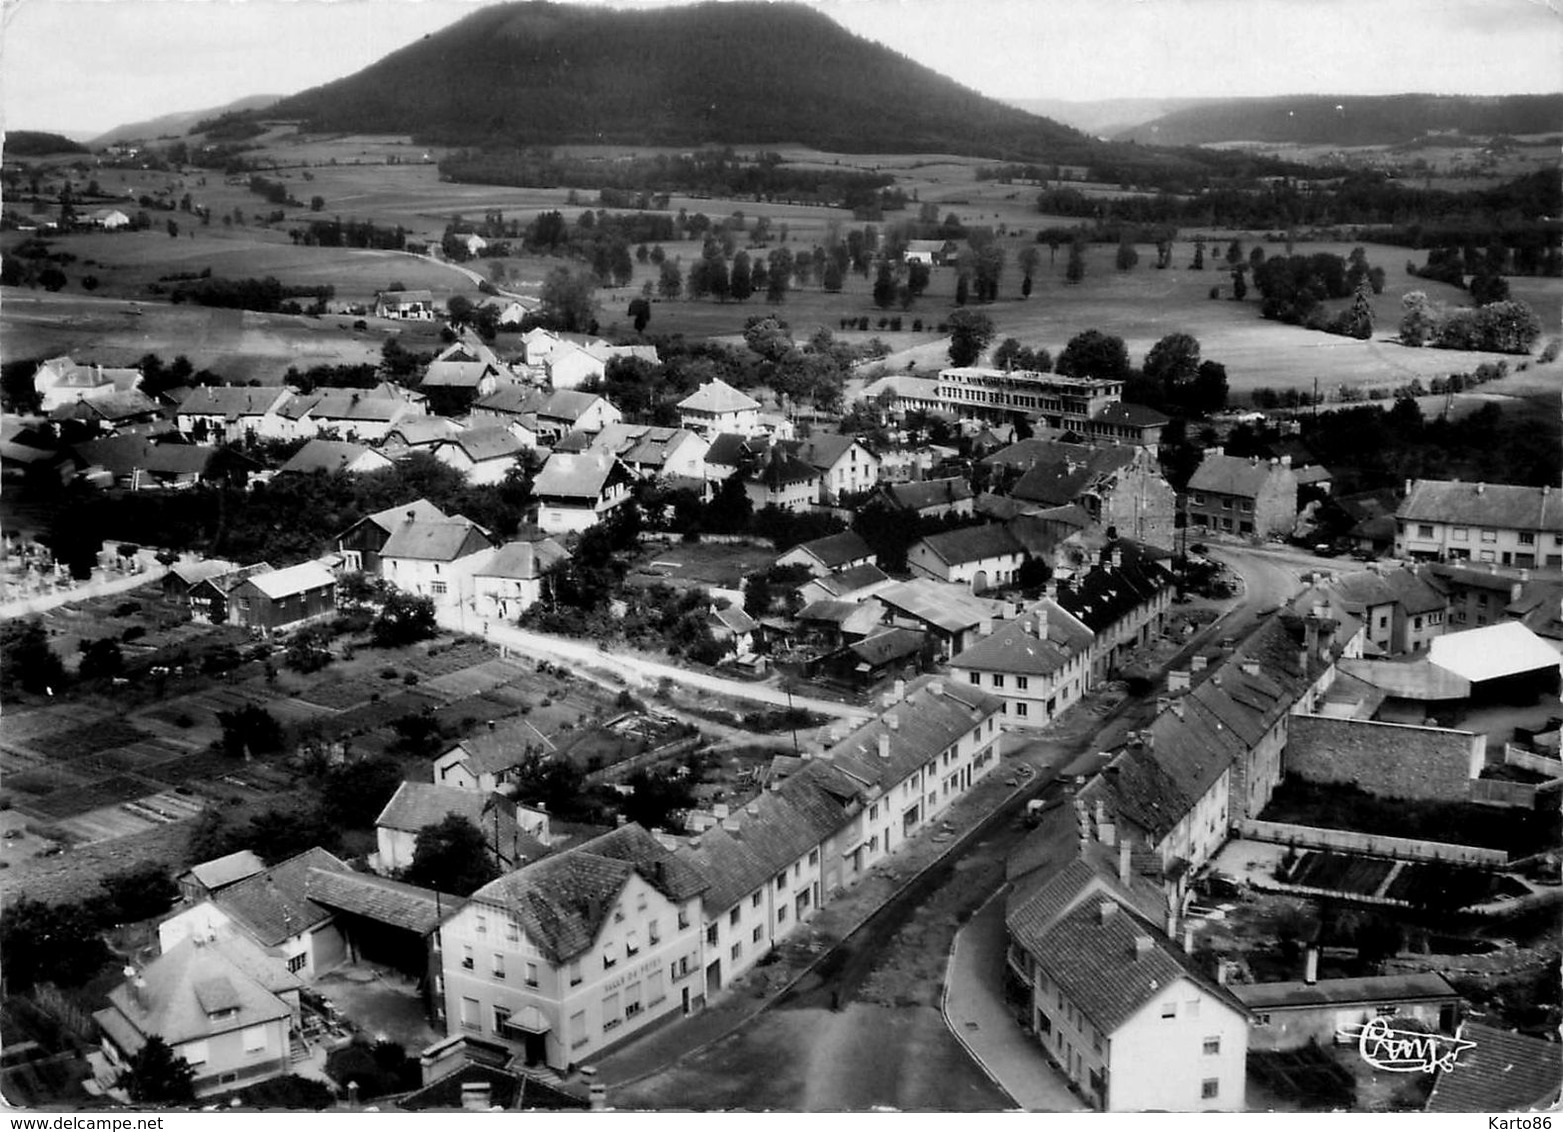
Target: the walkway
(980, 1019)
(639, 671)
(103, 582)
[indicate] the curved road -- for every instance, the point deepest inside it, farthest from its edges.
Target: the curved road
(637, 671)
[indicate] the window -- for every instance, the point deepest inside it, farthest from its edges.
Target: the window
(781, 913)
(501, 1019)
(194, 1052)
(1191, 1008)
(732, 917)
(1199, 497)
(437, 588)
(1169, 1010)
(482, 924)
(711, 935)
(1021, 708)
(469, 1014)
(499, 965)
(512, 932)
(1460, 534)
(654, 933)
(578, 1029)
(632, 1000)
(1489, 536)
(632, 943)
(254, 1039)
(575, 973)
(1022, 683)
(998, 679)
(873, 812)
(1527, 538)
(1209, 1088)
(531, 974)
(610, 1011)
(608, 960)
(781, 882)
(754, 901)
(467, 962)
(297, 963)
(1212, 1046)
(975, 677)
(640, 902)
(654, 993)
(737, 950)
(683, 919)
(813, 857)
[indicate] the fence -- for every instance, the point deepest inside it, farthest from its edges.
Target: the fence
(1530, 760)
(1496, 792)
(626, 767)
(1397, 848)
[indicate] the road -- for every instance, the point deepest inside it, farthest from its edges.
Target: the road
(638, 671)
(1272, 576)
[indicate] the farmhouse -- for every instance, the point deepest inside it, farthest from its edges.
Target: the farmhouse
(652, 452)
(982, 557)
(514, 834)
(348, 414)
(330, 456)
(434, 559)
(235, 413)
(510, 581)
(484, 453)
(282, 600)
(360, 544)
(930, 253)
(928, 498)
(64, 381)
(415, 305)
(844, 465)
(208, 598)
(576, 491)
(717, 407)
(827, 555)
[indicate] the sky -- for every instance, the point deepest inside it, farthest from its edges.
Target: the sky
(81, 67)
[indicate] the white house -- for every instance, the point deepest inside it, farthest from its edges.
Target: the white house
(63, 381)
(984, 558)
(717, 407)
(330, 456)
(1040, 665)
(576, 491)
(434, 559)
(514, 834)
(484, 454)
(235, 413)
(510, 580)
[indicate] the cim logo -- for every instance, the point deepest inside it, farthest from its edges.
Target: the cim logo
(1408, 1051)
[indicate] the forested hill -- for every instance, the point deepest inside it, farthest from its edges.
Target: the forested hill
(36, 143)
(724, 73)
(1347, 120)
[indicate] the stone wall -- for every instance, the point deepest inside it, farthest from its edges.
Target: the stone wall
(1351, 841)
(1390, 760)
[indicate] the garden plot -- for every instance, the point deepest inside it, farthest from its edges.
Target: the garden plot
(465, 654)
(339, 695)
(475, 680)
(470, 711)
(110, 822)
(71, 801)
(1341, 872)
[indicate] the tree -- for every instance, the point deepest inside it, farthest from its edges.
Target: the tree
(50, 943)
(962, 289)
(640, 311)
(1417, 320)
(670, 279)
(173, 229)
(1094, 354)
(157, 1075)
(1199, 255)
(101, 659)
(1488, 287)
(451, 856)
(137, 893)
(26, 660)
(835, 277)
(970, 333)
(404, 619)
(1239, 284)
(1173, 361)
(1210, 387)
(1127, 255)
(1235, 253)
(1029, 258)
(884, 286)
(1074, 270)
(316, 203)
(250, 730)
(569, 299)
(741, 281)
(780, 261)
(354, 793)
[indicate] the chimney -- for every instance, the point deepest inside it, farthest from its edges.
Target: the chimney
(936, 687)
(731, 825)
(893, 721)
(1286, 461)
(1216, 679)
(1042, 623)
(1117, 558)
(1177, 708)
(411, 515)
(1311, 634)
(1222, 973)
(900, 690)
(719, 810)
(491, 725)
(751, 809)
(1408, 487)
(1125, 849)
(1311, 970)
(1142, 946)
(1188, 939)
(1217, 450)
(985, 627)
(1105, 910)
(1198, 662)
(1251, 667)
(884, 745)
(475, 1096)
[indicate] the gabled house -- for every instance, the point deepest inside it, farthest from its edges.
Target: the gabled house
(64, 381)
(948, 611)
(717, 407)
(1123, 598)
(856, 583)
(553, 414)
(129, 412)
(329, 456)
(279, 601)
(360, 544)
(830, 554)
(652, 453)
(484, 454)
(435, 559)
(459, 384)
(1038, 664)
(928, 498)
(1401, 610)
(577, 491)
(1234, 495)
(514, 834)
(1118, 486)
(730, 454)
(231, 413)
(421, 434)
(487, 759)
(417, 306)
(232, 1023)
(985, 557)
(1504, 524)
(349, 414)
(136, 463)
(929, 253)
(784, 481)
(208, 598)
(210, 877)
(569, 955)
(844, 465)
(510, 581)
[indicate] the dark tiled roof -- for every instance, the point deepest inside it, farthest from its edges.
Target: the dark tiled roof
(1235, 475)
(782, 469)
(489, 442)
(1502, 1072)
(731, 450)
(1105, 594)
(1012, 649)
(837, 550)
(227, 870)
(1501, 505)
(716, 396)
(1135, 416)
(1415, 987)
(231, 400)
(385, 901)
(562, 900)
(326, 456)
(274, 905)
(1063, 473)
(822, 450)
(651, 859)
(926, 494)
(851, 580)
(506, 1090)
(925, 723)
(441, 541)
(888, 645)
(973, 544)
(456, 375)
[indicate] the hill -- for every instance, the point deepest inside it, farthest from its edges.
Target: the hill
(742, 73)
(37, 143)
(1350, 120)
(175, 125)
(1106, 117)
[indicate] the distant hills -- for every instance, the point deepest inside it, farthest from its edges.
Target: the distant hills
(741, 73)
(1106, 117)
(37, 143)
(176, 125)
(1350, 120)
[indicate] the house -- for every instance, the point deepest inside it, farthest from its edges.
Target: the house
(108, 219)
(570, 364)
(1119, 486)
(459, 383)
(514, 834)
(235, 413)
(484, 454)
(577, 491)
(833, 623)
(567, 956)
(985, 557)
(717, 407)
(928, 498)
(208, 598)
(1311, 1010)
(730, 454)
(1401, 610)
(360, 544)
(183, 577)
(550, 414)
(64, 381)
(231, 1023)
(1123, 423)
(280, 601)
(331, 456)
(885, 654)
(348, 414)
(471, 242)
(1039, 665)
(1505, 524)
(1124, 1012)
(512, 315)
(856, 583)
(137, 463)
(210, 877)
(930, 253)
(654, 452)
(1123, 598)
(901, 394)
(832, 553)
(947, 611)
(486, 760)
(1499, 1071)
(417, 306)
(434, 559)
(273, 911)
(730, 625)
(844, 466)
(1234, 495)
(783, 481)
(510, 581)
(421, 434)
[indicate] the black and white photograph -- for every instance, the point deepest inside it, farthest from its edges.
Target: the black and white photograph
(696, 558)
